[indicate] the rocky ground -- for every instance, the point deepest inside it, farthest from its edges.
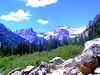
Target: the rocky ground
(86, 63)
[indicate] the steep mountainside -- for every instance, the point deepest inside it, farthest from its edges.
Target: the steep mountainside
(28, 34)
(92, 32)
(7, 37)
(66, 31)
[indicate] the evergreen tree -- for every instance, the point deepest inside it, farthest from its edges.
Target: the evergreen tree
(45, 44)
(64, 41)
(40, 47)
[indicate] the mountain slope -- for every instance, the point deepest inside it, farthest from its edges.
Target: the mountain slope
(92, 32)
(66, 31)
(27, 34)
(7, 37)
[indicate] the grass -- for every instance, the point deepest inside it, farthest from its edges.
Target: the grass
(7, 64)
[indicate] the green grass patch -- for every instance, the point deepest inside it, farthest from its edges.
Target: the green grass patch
(7, 64)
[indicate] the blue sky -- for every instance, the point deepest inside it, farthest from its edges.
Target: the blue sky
(45, 15)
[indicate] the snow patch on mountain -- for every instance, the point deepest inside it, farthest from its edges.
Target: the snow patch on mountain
(65, 31)
(59, 32)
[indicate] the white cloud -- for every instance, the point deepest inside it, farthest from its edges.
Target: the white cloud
(37, 3)
(43, 22)
(18, 16)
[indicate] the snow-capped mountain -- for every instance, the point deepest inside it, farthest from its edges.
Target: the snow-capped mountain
(66, 31)
(63, 31)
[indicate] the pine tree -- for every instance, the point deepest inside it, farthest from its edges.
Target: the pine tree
(40, 47)
(64, 41)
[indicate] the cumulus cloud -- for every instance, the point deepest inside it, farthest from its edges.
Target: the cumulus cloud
(43, 22)
(18, 16)
(37, 3)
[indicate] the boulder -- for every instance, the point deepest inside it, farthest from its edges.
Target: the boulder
(91, 42)
(42, 72)
(52, 66)
(28, 70)
(74, 71)
(57, 60)
(43, 65)
(97, 70)
(80, 73)
(35, 71)
(89, 59)
(17, 73)
(68, 70)
(38, 71)
(89, 66)
(3, 74)
(17, 69)
(68, 63)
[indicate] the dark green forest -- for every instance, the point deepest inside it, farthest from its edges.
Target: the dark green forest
(23, 48)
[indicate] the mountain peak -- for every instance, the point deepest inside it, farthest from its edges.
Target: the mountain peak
(30, 29)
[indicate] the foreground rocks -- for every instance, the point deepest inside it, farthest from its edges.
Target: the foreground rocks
(57, 60)
(86, 63)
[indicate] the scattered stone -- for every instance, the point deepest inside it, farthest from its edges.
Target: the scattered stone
(68, 70)
(3, 74)
(35, 71)
(28, 70)
(80, 73)
(52, 66)
(57, 60)
(74, 71)
(17, 69)
(38, 71)
(17, 73)
(42, 72)
(43, 65)
(90, 74)
(97, 70)
(68, 63)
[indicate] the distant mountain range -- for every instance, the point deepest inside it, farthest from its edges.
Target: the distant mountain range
(66, 31)
(13, 37)
(8, 37)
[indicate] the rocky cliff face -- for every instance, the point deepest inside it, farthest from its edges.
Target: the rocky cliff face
(27, 34)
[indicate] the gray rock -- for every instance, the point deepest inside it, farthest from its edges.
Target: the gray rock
(89, 56)
(37, 71)
(17, 69)
(17, 73)
(80, 73)
(92, 48)
(57, 60)
(73, 72)
(97, 70)
(3, 74)
(28, 69)
(43, 65)
(68, 63)
(52, 66)
(68, 70)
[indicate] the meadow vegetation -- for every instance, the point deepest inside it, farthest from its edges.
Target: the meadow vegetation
(7, 64)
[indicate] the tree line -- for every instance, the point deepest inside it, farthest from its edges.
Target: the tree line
(23, 48)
